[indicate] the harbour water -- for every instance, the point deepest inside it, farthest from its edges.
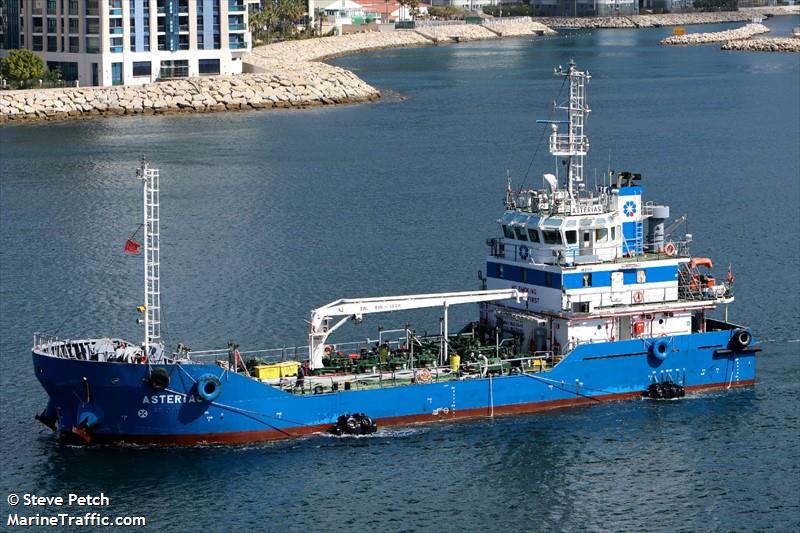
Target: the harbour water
(268, 215)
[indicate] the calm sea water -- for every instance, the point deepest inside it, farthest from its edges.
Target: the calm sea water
(267, 215)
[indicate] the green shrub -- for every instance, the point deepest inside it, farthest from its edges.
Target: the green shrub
(22, 66)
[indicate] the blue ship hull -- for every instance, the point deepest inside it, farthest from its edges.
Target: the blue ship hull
(112, 402)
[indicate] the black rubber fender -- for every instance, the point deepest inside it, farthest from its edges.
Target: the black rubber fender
(158, 378)
(740, 339)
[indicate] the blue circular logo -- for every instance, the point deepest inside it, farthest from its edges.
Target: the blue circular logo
(629, 208)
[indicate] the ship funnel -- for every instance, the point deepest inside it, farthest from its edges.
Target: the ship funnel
(551, 181)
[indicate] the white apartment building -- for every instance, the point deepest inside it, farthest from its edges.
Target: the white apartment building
(131, 42)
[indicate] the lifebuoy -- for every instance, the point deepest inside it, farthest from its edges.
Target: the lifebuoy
(660, 349)
(208, 387)
(638, 296)
(423, 375)
(670, 249)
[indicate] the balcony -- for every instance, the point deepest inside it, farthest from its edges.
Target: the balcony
(115, 12)
(116, 31)
(236, 7)
(237, 27)
(115, 49)
(236, 45)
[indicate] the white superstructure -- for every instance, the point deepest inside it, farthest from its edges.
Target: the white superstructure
(591, 272)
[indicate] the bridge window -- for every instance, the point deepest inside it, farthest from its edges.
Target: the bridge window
(551, 237)
(533, 234)
(601, 235)
(548, 279)
(508, 232)
(520, 233)
(613, 233)
(571, 236)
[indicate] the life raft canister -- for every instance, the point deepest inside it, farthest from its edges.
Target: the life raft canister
(209, 387)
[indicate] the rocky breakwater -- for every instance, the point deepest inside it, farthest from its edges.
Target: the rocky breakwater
(330, 47)
(456, 33)
(685, 19)
(718, 36)
(570, 23)
(517, 27)
(773, 44)
(297, 85)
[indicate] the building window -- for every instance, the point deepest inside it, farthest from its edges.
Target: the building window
(37, 25)
(116, 45)
(37, 43)
(74, 45)
(51, 25)
(73, 7)
(209, 66)
(174, 69)
(141, 69)
(51, 7)
(92, 45)
(93, 26)
(52, 43)
(93, 7)
(73, 25)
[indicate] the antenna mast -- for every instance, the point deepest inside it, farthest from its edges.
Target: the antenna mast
(152, 283)
(574, 145)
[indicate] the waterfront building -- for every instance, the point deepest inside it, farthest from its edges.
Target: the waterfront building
(132, 42)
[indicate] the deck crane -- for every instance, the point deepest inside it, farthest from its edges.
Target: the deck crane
(319, 331)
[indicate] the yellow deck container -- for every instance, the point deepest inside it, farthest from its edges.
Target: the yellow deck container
(277, 370)
(455, 362)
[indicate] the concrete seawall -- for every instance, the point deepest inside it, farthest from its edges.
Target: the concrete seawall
(744, 32)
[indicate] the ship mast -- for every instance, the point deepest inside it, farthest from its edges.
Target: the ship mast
(574, 144)
(152, 283)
